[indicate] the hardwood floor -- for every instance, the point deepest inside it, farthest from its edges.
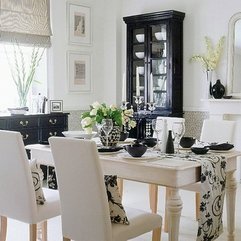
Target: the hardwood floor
(18, 231)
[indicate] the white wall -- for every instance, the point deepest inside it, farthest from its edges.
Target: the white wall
(203, 18)
(103, 54)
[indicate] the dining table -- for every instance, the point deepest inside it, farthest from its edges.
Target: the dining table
(173, 171)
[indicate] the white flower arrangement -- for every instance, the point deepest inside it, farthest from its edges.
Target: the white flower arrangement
(98, 112)
(211, 59)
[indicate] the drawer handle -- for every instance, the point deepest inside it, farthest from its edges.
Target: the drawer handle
(53, 122)
(25, 123)
(53, 134)
(25, 137)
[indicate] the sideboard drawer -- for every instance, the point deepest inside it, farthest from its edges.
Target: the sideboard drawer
(46, 133)
(23, 122)
(29, 136)
(52, 121)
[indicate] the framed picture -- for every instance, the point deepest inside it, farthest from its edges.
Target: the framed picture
(56, 106)
(79, 24)
(79, 76)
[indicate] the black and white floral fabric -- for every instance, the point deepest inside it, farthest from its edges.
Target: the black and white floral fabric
(117, 212)
(37, 175)
(213, 180)
(52, 179)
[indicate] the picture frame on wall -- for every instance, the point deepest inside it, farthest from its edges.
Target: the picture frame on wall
(79, 72)
(56, 106)
(79, 24)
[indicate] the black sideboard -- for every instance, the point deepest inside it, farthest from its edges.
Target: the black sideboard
(36, 128)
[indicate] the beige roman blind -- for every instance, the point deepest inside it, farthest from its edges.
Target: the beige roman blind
(25, 21)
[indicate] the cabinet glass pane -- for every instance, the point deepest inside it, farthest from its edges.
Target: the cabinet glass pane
(138, 36)
(159, 32)
(159, 90)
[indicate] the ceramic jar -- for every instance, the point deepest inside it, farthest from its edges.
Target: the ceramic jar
(218, 90)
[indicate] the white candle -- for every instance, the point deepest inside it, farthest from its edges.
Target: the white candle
(137, 83)
(124, 88)
(151, 88)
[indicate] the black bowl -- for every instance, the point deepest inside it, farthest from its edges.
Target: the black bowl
(136, 150)
(149, 141)
(187, 142)
(199, 150)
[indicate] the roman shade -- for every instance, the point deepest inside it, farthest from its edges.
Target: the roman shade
(25, 22)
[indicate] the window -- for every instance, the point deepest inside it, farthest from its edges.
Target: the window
(8, 91)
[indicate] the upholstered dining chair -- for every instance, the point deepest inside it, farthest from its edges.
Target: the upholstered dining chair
(83, 196)
(17, 192)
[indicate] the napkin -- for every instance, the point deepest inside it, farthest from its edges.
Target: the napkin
(221, 147)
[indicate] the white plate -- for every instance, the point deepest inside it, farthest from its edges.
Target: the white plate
(221, 151)
(146, 156)
(110, 153)
(79, 134)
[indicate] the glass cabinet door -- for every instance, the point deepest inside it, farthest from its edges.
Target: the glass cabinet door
(158, 65)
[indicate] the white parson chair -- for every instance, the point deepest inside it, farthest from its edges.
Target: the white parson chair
(17, 194)
(153, 189)
(215, 131)
(84, 204)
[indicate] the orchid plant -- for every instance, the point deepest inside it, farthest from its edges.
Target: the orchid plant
(211, 59)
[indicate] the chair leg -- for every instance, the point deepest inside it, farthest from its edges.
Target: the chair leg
(120, 186)
(3, 230)
(153, 192)
(33, 232)
(66, 239)
(156, 234)
(44, 231)
(198, 201)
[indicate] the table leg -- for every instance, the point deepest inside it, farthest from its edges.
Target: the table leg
(231, 186)
(174, 209)
(153, 197)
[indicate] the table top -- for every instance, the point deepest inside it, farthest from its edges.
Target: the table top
(167, 170)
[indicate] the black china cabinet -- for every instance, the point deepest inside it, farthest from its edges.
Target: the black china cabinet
(154, 67)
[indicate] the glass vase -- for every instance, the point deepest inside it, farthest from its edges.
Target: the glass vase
(209, 84)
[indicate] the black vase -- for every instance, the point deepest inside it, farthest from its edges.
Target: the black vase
(218, 90)
(170, 145)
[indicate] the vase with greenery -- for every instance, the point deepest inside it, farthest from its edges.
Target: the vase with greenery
(210, 60)
(23, 70)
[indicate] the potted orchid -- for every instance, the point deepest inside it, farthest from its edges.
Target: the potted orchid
(210, 60)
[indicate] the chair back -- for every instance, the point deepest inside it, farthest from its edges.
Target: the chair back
(170, 121)
(217, 131)
(17, 195)
(83, 198)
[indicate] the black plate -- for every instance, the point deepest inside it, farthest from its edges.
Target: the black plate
(221, 147)
(199, 150)
(111, 149)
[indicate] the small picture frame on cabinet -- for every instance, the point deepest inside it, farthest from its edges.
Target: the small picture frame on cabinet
(56, 106)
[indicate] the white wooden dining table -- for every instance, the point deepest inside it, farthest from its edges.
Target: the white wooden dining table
(174, 173)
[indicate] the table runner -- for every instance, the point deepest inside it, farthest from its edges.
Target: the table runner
(213, 180)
